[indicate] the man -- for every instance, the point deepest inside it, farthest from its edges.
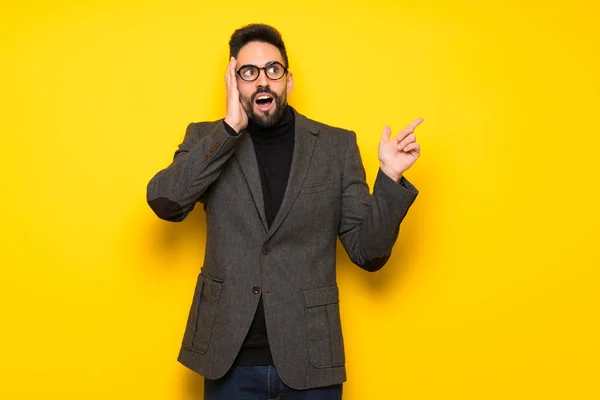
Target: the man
(278, 190)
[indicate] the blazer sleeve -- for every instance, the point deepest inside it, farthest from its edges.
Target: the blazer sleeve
(173, 192)
(370, 223)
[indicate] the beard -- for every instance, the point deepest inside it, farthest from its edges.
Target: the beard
(265, 119)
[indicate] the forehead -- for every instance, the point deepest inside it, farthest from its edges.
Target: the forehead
(258, 53)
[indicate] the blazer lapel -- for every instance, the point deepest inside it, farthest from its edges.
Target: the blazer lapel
(247, 158)
(305, 137)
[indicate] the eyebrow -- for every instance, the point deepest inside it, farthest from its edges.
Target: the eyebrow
(266, 64)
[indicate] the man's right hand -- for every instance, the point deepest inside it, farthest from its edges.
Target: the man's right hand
(236, 116)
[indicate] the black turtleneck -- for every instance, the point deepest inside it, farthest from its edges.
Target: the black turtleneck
(274, 149)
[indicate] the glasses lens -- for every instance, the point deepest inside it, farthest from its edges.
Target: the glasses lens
(249, 72)
(275, 70)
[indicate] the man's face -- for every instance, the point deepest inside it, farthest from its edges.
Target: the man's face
(263, 99)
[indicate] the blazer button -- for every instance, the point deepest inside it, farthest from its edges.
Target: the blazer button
(255, 290)
(266, 251)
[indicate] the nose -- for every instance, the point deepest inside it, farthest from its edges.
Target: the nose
(262, 79)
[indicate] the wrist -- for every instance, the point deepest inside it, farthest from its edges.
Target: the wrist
(237, 127)
(395, 176)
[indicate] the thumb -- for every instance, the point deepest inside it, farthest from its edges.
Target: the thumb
(385, 135)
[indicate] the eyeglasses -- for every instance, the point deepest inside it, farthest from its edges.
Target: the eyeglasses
(273, 71)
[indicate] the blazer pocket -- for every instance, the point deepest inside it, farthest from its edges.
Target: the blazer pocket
(319, 187)
(201, 318)
(325, 341)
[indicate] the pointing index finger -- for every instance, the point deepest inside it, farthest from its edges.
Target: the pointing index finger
(409, 129)
(416, 122)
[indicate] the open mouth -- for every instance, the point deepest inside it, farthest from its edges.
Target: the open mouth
(264, 101)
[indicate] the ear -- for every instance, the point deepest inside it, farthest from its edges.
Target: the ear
(290, 82)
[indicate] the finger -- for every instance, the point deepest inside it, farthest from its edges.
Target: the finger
(228, 80)
(407, 140)
(233, 84)
(231, 80)
(385, 135)
(233, 65)
(412, 147)
(231, 68)
(409, 129)
(228, 69)
(416, 122)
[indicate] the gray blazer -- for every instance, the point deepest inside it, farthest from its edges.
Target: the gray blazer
(292, 263)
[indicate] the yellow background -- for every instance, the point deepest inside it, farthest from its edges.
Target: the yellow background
(491, 292)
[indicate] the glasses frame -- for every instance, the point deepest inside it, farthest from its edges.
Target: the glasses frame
(264, 69)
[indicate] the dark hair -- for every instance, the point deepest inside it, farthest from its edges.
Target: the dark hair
(256, 33)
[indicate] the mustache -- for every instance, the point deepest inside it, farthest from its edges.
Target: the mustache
(261, 90)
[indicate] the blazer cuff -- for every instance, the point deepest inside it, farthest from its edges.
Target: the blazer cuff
(403, 189)
(230, 131)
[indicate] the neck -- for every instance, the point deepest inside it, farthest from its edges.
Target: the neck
(287, 117)
(283, 130)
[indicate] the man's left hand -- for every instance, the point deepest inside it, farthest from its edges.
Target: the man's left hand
(400, 153)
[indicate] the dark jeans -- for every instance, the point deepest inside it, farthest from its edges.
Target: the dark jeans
(262, 383)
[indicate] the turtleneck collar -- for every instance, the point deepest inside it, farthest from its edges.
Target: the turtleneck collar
(275, 133)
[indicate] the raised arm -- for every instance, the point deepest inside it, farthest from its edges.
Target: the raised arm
(370, 223)
(173, 192)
